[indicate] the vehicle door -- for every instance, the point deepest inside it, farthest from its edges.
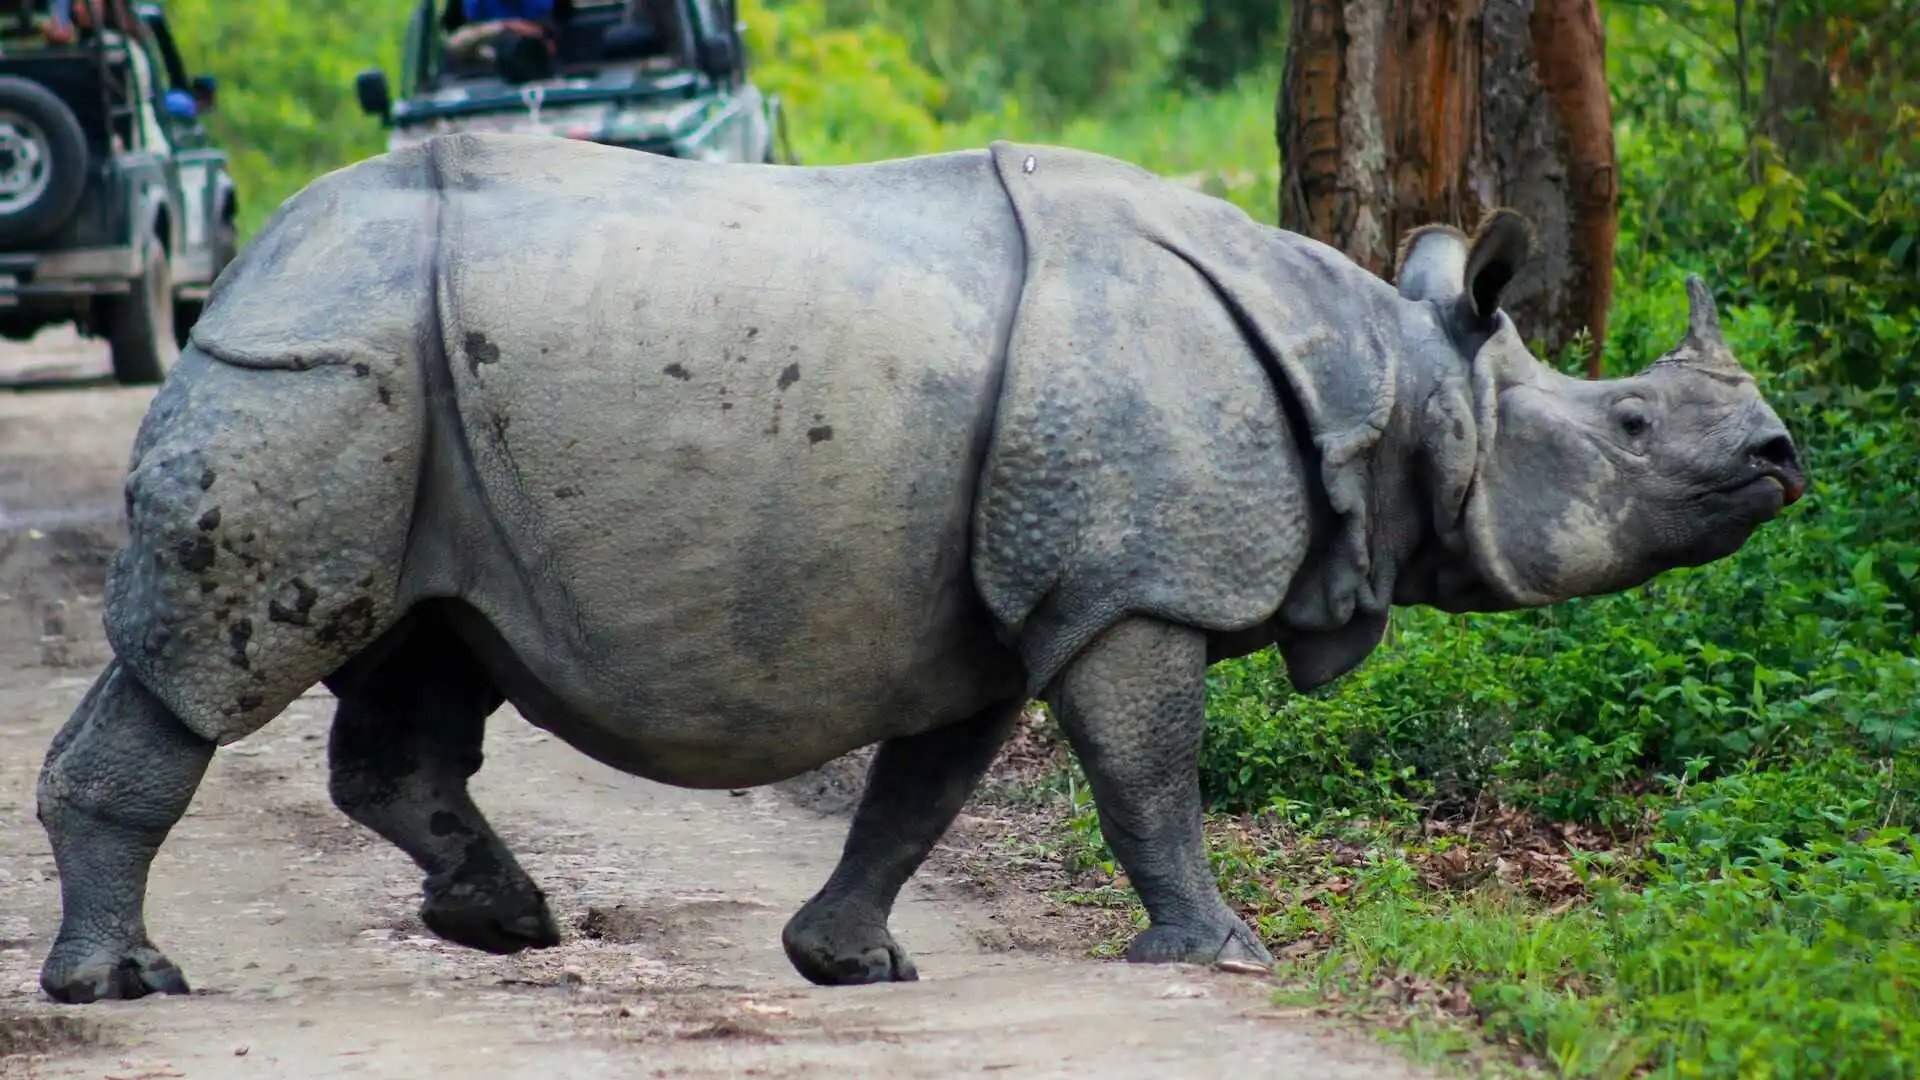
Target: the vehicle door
(739, 125)
(196, 165)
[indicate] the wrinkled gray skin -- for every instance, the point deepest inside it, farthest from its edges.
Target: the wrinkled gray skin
(718, 472)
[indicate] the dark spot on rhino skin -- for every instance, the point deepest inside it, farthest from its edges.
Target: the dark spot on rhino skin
(446, 823)
(752, 332)
(479, 351)
(1459, 431)
(386, 459)
(207, 585)
(567, 492)
(298, 613)
(725, 405)
(250, 561)
(210, 520)
(238, 636)
(353, 622)
(362, 370)
(823, 433)
(250, 702)
(206, 479)
(385, 395)
(790, 376)
(773, 428)
(197, 554)
(678, 372)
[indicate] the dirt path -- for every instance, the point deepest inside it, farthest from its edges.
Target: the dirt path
(297, 928)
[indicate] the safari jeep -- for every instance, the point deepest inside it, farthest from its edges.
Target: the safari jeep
(666, 77)
(116, 208)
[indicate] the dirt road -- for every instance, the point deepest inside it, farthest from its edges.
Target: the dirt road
(297, 928)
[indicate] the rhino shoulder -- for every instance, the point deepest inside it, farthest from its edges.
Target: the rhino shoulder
(1187, 393)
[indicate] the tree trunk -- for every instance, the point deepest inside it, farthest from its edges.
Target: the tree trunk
(1396, 113)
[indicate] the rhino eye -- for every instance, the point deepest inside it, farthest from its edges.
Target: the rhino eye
(1630, 415)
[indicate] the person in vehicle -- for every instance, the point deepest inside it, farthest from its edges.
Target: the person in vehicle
(67, 22)
(518, 36)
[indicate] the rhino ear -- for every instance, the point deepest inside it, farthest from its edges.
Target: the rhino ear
(1432, 263)
(1500, 246)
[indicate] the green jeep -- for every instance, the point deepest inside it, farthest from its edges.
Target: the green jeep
(663, 76)
(116, 208)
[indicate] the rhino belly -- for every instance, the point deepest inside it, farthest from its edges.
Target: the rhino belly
(717, 436)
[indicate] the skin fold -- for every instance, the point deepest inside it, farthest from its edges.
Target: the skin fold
(720, 472)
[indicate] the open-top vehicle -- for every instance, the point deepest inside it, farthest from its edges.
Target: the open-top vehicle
(667, 77)
(116, 207)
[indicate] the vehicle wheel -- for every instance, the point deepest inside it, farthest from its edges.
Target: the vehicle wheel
(43, 161)
(226, 246)
(139, 323)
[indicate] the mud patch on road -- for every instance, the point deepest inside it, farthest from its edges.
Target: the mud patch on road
(658, 923)
(24, 1036)
(51, 586)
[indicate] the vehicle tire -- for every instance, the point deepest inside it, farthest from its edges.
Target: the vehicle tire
(139, 323)
(43, 162)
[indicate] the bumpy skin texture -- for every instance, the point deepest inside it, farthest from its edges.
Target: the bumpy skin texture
(915, 788)
(718, 472)
(1134, 705)
(116, 779)
(406, 739)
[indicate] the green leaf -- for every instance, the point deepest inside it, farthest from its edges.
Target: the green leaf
(1836, 199)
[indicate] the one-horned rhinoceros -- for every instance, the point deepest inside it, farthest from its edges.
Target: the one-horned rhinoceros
(720, 471)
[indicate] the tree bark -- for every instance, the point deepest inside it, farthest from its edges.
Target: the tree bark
(1396, 113)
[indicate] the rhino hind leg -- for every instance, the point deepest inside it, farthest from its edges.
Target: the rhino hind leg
(915, 788)
(406, 739)
(1134, 706)
(116, 779)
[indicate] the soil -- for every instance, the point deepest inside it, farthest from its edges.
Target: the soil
(297, 928)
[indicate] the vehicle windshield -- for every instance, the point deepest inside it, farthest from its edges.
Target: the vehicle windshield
(586, 37)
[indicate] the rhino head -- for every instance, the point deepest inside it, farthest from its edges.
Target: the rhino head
(1581, 487)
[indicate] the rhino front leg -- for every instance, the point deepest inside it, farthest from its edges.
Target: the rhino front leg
(915, 788)
(404, 743)
(1134, 706)
(116, 779)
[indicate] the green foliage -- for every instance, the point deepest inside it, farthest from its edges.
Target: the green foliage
(1057, 60)
(1750, 730)
(1230, 39)
(286, 111)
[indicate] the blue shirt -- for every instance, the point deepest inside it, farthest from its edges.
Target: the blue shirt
(489, 10)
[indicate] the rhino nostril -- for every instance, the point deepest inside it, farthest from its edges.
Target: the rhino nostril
(1777, 451)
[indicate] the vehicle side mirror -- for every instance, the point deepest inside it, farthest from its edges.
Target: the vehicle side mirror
(717, 55)
(204, 92)
(370, 86)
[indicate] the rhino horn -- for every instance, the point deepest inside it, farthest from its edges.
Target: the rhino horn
(1703, 346)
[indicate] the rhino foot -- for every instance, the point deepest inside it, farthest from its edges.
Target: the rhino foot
(838, 948)
(495, 918)
(77, 973)
(1226, 944)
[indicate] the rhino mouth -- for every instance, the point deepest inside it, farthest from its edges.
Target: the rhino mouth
(1791, 484)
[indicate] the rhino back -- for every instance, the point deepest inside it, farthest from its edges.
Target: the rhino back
(723, 425)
